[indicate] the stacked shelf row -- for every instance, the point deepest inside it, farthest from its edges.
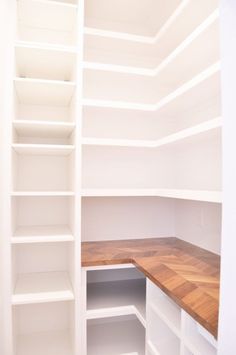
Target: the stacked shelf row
(151, 130)
(45, 159)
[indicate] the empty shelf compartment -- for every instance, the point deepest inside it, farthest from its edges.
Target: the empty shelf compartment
(116, 336)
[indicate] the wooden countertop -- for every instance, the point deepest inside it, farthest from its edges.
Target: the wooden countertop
(186, 273)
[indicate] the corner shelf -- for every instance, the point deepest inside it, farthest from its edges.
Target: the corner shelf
(125, 69)
(199, 129)
(42, 287)
(198, 31)
(206, 77)
(196, 195)
(42, 234)
(116, 298)
(118, 105)
(97, 32)
(162, 44)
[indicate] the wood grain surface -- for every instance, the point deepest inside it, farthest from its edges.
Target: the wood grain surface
(186, 273)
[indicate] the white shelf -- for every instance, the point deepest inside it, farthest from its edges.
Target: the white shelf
(43, 149)
(42, 234)
(44, 46)
(196, 195)
(55, 15)
(140, 39)
(187, 88)
(202, 28)
(42, 193)
(172, 138)
(118, 105)
(178, 14)
(117, 142)
(42, 287)
(44, 61)
(123, 337)
(116, 298)
(118, 68)
(46, 343)
(91, 31)
(47, 129)
(44, 92)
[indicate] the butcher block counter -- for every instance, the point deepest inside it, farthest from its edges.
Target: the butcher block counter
(189, 275)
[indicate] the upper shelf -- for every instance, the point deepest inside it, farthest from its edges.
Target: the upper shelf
(202, 39)
(137, 18)
(196, 195)
(202, 128)
(190, 92)
(44, 62)
(44, 92)
(106, 43)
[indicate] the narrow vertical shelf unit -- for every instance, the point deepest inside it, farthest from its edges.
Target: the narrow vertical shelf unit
(46, 159)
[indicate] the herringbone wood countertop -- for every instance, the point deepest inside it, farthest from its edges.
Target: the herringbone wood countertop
(186, 273)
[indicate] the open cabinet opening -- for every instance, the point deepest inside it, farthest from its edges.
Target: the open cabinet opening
(44, 329)
(116, 336)
(34, 281)
(116, 292)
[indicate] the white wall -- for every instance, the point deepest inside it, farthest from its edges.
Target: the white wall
(7, 19)
(127, 218)
(227, 338)
(119, 218)
(199, 223)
